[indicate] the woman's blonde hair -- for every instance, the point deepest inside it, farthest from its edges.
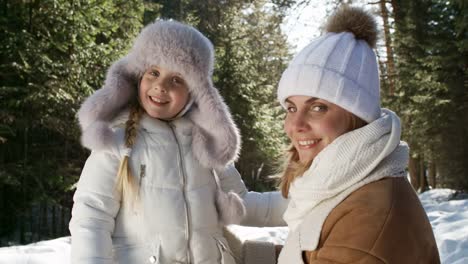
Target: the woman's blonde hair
(293, 168)
(125, 179)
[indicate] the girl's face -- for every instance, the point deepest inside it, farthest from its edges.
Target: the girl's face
(311, 124)
(163, 93)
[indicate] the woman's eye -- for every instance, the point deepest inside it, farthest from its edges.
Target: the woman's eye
(291, 109)
(319, 108)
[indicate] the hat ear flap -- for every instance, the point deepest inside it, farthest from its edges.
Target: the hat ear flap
(97, 111)
(216, 139)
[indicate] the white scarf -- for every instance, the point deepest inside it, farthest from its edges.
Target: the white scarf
(352, 160)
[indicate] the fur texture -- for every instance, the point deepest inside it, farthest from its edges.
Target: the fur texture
(356, 21)
(180, 48)
(101, 107)
(231, 208)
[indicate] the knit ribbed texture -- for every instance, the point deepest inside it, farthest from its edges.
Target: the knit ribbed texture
(352, 160)
(338, 68)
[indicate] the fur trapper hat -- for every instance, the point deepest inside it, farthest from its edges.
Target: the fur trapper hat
(340, 66)
(180, 48)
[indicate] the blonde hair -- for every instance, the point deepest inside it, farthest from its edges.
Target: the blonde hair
(293, 168)
(125, 179)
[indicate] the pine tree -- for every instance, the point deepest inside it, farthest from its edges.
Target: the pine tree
(431, 91)
(252, 53)
(53, 54)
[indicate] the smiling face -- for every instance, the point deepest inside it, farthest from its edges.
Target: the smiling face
(163, 93)
(311, 124)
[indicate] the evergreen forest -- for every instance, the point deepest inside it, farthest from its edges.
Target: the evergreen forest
(55, 53)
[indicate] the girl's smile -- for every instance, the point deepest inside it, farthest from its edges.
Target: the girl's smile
(163, 93)
(158, 101)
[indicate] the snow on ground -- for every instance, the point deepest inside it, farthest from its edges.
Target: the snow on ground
(449, 220)
(447, 211)
(55, 251)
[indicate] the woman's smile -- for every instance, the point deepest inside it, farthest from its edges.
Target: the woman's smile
(307, 144)
(312, 123)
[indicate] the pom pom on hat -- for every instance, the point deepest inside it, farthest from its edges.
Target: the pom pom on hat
(339, 67)
(354, 20)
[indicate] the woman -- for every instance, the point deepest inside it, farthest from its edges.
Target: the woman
(350, 201)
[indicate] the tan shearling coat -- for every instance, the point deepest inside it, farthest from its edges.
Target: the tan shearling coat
(383, 223)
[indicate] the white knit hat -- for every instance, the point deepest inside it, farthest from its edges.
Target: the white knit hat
(340, 66)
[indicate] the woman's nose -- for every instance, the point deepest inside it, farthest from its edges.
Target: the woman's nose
(299, 123)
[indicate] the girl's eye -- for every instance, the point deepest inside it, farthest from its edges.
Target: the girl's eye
(154, 73)
(318, 108)
(291, 109)
(177, 80)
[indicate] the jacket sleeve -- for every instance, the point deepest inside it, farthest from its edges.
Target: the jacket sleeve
(263, 209)
(96, 204)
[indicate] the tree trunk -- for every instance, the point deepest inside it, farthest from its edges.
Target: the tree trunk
(54, 223)
(395, 10)
(21, 231)
(39, 221)
(423, 185)
(432, 174)
(31, 222)
(414, 172)
(63, 228)
(389, 48)
(23, 185)
(45, 223)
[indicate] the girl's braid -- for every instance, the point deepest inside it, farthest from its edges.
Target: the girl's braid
(131, 126)
(125, 179)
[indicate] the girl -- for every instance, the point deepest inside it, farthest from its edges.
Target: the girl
(163, 143)
(350, 201)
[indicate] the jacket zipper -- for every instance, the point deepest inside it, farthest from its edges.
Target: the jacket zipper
(142, 174)
(184, 177)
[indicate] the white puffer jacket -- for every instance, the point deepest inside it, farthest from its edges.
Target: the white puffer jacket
(176, 220)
